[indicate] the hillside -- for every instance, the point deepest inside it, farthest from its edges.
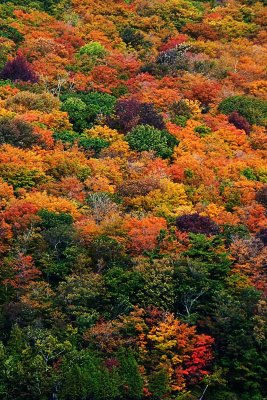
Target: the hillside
(133, 200)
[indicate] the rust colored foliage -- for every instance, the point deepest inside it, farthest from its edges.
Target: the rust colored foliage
(143, 233)
(24, 272)
(164, 343)
(239, 122)
(20, 215)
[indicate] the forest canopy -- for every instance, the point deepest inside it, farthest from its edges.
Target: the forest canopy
(133, 200)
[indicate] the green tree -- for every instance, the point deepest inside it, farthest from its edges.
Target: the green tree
(148, 138)
(50, 248)
(93, 49)
(21, 177)
(158, 287)
(209, 251)
(131, 380)
(31, 354)
(240, 350)
(122, 289)
(77, 111)
(81, 297)
(159, 384)
(85, 376)
(251, 108)
(85, 108)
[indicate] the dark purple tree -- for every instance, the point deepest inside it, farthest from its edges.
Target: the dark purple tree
(196, 223)
(149, 116)
(239, 121)
(262, 235)
(261, 196)
(130, 113)
(18, 69)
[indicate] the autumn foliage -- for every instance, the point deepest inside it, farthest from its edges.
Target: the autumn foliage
(133, 199)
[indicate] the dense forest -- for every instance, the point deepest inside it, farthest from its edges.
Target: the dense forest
(133, 200)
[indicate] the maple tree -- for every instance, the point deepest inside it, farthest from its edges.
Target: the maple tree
(144, 233)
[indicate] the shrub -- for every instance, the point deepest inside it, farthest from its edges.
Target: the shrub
(148, 138)
(11, 33)
(249, 174)
(239, 122)
(252, 109)
(202, 130)
(196, 223)
(18, 69)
